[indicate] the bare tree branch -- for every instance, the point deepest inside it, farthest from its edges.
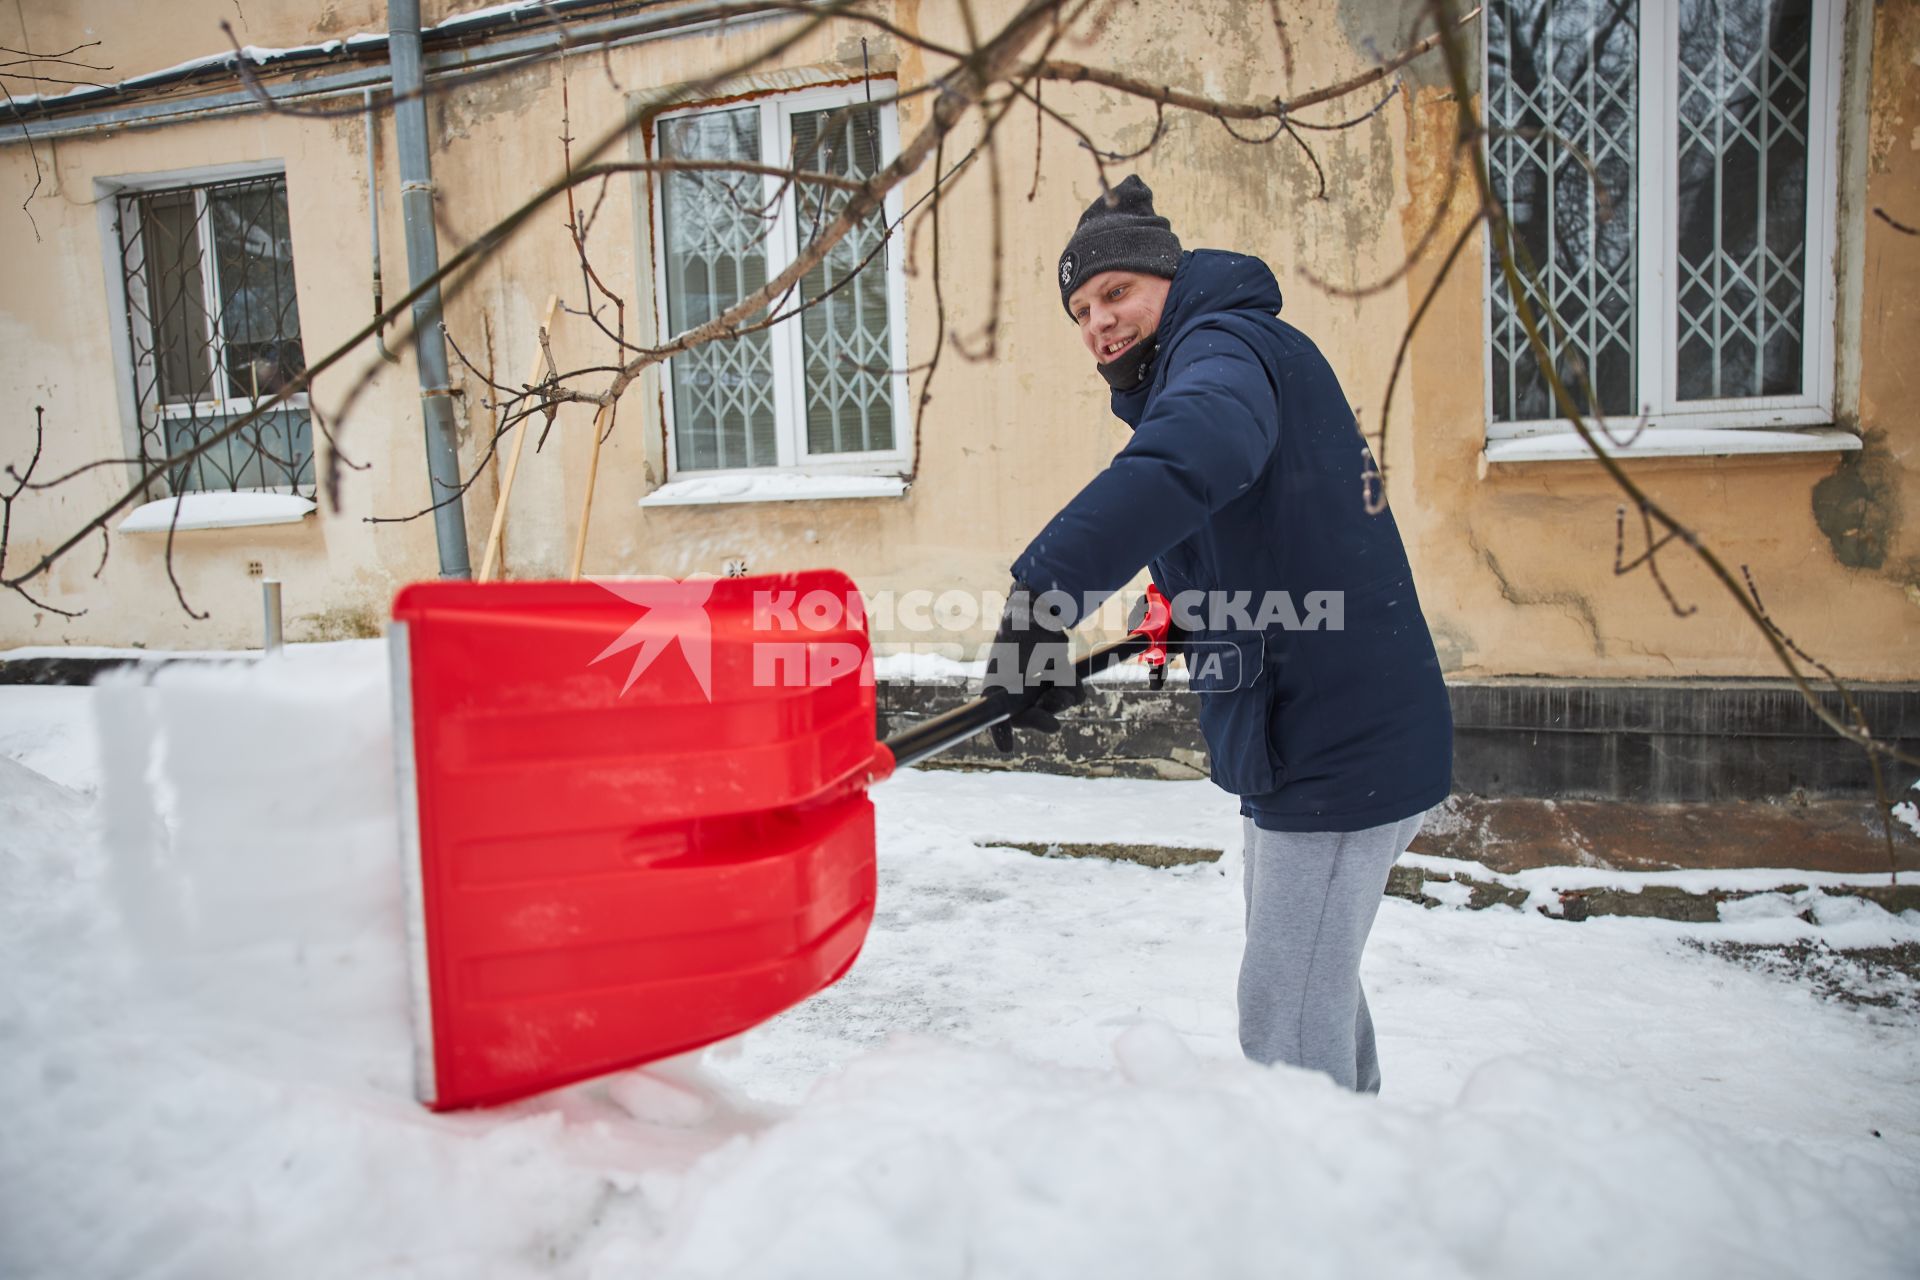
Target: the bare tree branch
(18, 586)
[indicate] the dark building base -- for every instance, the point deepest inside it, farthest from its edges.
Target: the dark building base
(1636, 775)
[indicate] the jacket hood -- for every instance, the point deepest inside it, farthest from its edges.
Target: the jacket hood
(1213, 280)
(1208, 282)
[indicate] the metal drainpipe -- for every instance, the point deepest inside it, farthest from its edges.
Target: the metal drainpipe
(423, 259)
(373, 228)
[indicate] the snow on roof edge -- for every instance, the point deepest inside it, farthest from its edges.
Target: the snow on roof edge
(261, 56)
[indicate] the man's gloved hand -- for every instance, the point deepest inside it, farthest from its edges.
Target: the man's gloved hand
(1031, 666)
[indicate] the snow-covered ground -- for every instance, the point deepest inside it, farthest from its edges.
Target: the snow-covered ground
(1031, 1071)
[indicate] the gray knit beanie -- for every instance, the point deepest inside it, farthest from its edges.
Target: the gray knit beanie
(1125, 236)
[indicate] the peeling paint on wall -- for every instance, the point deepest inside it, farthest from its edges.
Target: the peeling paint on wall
(1858, 506)
(486, 102)
(1378, 30)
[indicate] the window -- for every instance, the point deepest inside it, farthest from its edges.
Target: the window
(214, 329)
(817, 394)
(1691, 266)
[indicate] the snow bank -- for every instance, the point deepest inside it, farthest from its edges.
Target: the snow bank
(929, 664)
(942, 663)
(49, 730)
(371, 651)
(925, 1160)
(1908, 811)
(204, 1059)
(1553, 879)
(248, 815)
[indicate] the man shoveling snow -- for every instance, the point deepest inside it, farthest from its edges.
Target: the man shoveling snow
(1238, 490)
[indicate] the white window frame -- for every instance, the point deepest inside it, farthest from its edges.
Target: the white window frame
(1656, 322)
(776, 145)
(131, 369)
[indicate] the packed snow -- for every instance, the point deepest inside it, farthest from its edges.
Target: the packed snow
(771, 487)
(1031, 1071)
(1629, 441)
(1908, 811)
(217, 511)
(944, 663)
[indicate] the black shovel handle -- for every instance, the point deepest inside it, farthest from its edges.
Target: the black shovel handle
(951, 728)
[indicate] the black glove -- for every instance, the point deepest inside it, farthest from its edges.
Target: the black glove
(1030, 666)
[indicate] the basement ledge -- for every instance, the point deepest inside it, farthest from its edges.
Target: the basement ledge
(1673, 442)
(217, 511)
(774, 487)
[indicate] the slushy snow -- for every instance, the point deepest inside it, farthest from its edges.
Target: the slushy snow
(1030, 1072)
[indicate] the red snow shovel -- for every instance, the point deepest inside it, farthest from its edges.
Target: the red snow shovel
(634, 815)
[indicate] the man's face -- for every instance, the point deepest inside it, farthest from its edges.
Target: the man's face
(1117, 310)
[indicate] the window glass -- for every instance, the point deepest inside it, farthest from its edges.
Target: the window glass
(845, 340)
(175, 296)
(1740, 306)
(715, 227)
(273, 452)
(195, 373)
(259, 315)
(1563, 78)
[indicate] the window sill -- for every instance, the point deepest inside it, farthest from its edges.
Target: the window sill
(1673, 442)
(779, 486)
(218, 511)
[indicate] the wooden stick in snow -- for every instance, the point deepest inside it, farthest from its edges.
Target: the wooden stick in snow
(586, 506)
(499, 529)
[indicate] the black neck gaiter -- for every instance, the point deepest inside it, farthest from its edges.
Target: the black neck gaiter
(1130, 370)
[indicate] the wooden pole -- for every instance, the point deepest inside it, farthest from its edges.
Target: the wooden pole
(498, 532)
(600, 419)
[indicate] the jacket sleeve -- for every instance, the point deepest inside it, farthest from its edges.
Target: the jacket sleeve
(1204, 441)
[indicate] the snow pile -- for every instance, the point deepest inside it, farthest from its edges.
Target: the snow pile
(927, 1161)
(50, 731)
(248, 813)
(205, 1058)
(942, 663)
(928, 664)
(1820, 899)
(1908, 811)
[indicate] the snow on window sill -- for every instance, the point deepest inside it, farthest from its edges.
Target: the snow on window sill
(1672, 442)
(778, 486)
(218, 511)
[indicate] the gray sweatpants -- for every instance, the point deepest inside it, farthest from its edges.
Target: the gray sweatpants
(1311, 899)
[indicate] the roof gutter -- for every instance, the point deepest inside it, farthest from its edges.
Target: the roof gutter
(68, 117)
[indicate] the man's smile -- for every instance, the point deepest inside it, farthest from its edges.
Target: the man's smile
(1112, 349)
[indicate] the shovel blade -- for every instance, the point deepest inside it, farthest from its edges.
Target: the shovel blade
(634, 819)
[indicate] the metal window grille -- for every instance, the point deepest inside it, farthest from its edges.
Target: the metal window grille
(1701, 298)
(845, 339)
(214, 329)
(716, 254)
(1564, 75)
(1742, 228)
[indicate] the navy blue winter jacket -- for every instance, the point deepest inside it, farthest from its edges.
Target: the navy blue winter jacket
(1243, 478)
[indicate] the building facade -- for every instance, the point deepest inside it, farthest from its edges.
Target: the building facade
(1730, 250)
